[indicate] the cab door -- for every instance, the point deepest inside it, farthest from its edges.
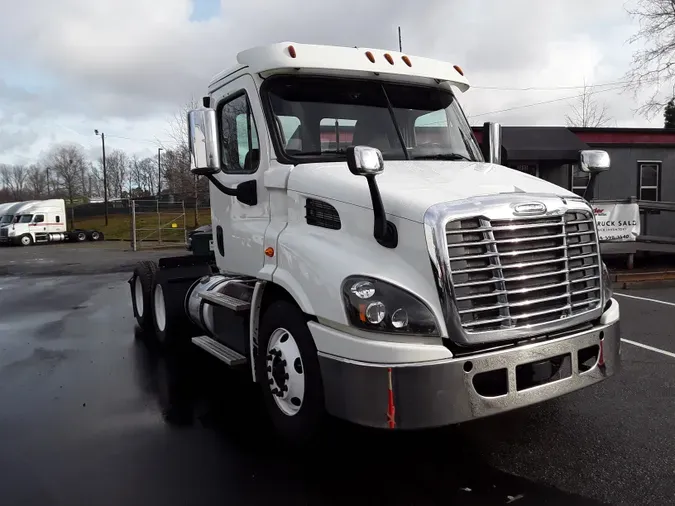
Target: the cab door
(39, 225)
(239, 228)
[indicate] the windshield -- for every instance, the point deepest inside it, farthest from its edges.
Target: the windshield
(7, 218)
(316, 119)
(25, 218)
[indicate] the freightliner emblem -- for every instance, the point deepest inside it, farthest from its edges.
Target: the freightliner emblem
(529, 209)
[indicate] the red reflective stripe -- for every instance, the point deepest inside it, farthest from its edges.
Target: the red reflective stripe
(391, 408)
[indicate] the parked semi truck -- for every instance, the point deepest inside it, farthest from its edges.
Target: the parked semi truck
(40, 221)
(4, 207)
(372, 262)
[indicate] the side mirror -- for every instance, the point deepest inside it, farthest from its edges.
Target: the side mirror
(364, 161)
(203, 142)
(492, 142)
(368, 162)
(594, 161)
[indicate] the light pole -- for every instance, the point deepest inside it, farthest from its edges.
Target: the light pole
(159, 174)
(105, 177)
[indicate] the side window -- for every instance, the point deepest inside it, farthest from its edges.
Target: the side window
(240, 149)
(39, 218)
(649, 174)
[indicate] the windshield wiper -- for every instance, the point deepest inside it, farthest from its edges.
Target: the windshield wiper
(443, 156)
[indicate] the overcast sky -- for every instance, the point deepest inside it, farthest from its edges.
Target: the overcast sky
(124, 66)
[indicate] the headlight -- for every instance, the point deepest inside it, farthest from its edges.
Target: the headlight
(606, 285)
(377, 306)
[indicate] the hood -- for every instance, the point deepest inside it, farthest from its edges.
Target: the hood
(409, 188)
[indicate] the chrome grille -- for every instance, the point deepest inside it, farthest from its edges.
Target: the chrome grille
(514, 273)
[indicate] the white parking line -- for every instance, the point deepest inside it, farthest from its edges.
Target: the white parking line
(645, 346)
(650, 348)
(645, 299)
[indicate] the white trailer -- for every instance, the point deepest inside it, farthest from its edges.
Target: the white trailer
(371, 262)
(41, 221)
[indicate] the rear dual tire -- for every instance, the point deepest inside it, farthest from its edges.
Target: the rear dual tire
(142, 282)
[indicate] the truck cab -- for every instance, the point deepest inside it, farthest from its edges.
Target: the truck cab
(36, 221)
(372, 261)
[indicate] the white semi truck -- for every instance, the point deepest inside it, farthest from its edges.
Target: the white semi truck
(371, 262)
(5, 207)
(40, 221)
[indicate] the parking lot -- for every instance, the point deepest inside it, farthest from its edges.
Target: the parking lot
(82, 396)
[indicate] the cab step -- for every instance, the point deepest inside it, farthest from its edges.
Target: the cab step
(226, 301)
(219, 350)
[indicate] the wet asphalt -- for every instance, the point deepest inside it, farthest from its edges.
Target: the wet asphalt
(92, 414)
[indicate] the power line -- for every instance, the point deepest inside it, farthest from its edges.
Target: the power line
(554, 88)
(156, 141)
(550, 88)
(540, 103)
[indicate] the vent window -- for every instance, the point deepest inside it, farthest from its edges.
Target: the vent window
(322, 214)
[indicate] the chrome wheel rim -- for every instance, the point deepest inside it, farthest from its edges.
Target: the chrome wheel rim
(285, 372)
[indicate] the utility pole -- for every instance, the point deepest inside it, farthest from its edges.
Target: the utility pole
(47, 175)
(105, 177)
(159, 174)
(400, 45)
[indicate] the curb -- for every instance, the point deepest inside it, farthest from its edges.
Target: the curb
(625, 280)
(644, 284)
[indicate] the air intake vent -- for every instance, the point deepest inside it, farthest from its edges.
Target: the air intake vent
(322, 214)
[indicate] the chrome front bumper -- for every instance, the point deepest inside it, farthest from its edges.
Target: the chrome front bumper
(445, 392)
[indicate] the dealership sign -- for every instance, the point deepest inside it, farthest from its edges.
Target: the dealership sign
(617, 222)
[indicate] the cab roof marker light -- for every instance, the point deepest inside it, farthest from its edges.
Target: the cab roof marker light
(291, 51)
(388, 57)
(370, 56)
(406, 60)
(458, 69)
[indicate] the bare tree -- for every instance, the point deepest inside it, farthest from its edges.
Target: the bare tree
(178, 127)
(117, 165)
(67, 161)
(588, 112)
(19, 176)
(144, 174)
(37, 181)
(653, 64)
(13, 179)
(6, 177)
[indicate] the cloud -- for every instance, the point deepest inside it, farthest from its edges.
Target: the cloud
(125, 66)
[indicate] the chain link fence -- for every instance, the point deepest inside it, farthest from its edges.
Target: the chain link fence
(158, 224)
(145, 222)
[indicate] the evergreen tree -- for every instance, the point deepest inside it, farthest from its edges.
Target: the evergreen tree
(669, 114)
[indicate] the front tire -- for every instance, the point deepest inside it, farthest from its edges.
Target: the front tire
(287, 368)
(26, 240)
